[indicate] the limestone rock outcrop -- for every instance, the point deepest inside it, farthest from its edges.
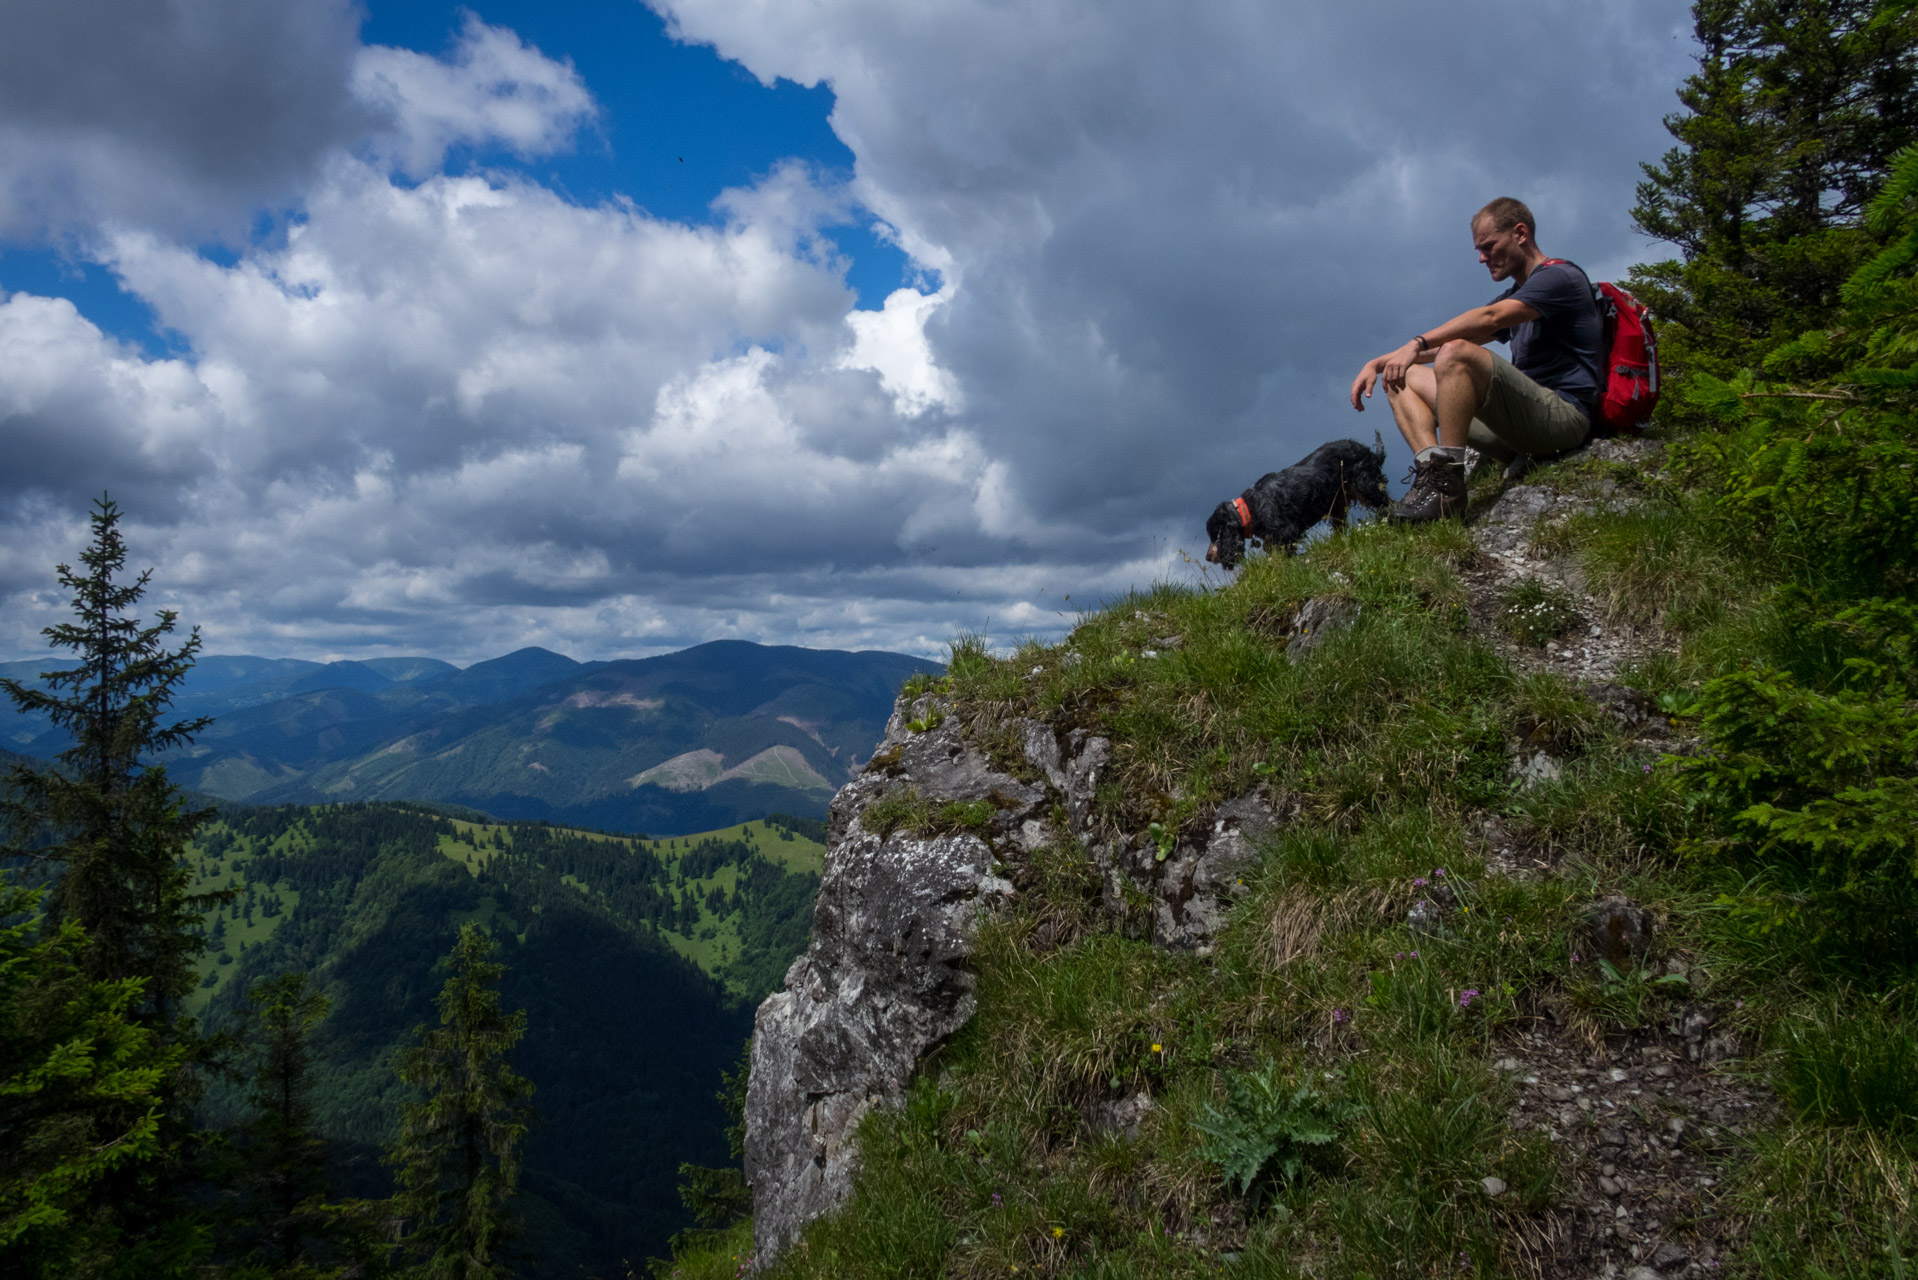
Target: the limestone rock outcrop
(886, 980)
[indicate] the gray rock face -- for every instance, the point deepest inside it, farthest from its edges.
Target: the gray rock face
(883, 981)
(1196, 887)
(1118, 1115)
(1506, 526)
(1531, 768)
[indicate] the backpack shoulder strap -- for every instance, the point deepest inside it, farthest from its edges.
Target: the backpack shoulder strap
(1597, 296)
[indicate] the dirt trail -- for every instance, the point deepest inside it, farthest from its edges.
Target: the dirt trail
(1646, 1122)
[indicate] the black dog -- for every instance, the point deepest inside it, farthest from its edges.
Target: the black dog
(1283, 505)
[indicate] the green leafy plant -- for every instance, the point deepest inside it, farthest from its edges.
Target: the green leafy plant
(1162, 840)
(1625, 998)
(1270, 1128)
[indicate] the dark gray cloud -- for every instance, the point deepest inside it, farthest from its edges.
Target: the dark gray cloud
(1179, 230)
(181, 114)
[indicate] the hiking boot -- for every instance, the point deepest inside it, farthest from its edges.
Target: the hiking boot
(1437, 492)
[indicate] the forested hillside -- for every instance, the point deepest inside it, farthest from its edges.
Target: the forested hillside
(637, 962)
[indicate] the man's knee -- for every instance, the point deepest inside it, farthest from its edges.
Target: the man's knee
(1460, 355)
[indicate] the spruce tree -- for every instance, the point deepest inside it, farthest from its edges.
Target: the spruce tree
(457, 1155)
(287, 1226)
(1789, 127)
(107, 822)
(107, 832)
(83, 1093)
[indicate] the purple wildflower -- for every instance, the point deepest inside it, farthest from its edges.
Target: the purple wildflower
(1340, 1016)
(1438, 873)
(1413, 954)
(1419, 882)
(995, 1199)
(1466, 997)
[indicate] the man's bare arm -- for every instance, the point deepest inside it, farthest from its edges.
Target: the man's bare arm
(1478, 325)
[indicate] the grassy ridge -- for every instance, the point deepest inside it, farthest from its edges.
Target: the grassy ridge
(1343, 1056)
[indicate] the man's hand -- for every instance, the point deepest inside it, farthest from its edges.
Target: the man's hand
(1362, 385)
(1391, 366)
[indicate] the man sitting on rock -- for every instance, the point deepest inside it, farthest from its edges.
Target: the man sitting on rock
(1447, 391)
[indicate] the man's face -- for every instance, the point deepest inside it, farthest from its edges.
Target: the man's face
(1502, 252)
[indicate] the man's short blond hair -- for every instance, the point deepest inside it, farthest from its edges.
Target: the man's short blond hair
(1506, 213)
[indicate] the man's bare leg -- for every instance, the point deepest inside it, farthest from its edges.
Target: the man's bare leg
(1435, 416)
(1462, 372)
(1412, 408)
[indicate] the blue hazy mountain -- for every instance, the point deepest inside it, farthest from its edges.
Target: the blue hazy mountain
(686, 741)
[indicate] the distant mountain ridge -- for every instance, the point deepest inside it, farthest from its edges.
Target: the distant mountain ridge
(687, 741)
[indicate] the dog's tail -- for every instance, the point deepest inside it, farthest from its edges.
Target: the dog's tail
(1378, 447)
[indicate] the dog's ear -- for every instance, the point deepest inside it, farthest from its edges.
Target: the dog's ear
(1217, 521)
(1378, 447)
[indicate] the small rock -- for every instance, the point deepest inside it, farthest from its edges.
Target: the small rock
(1619, 929)
(1669, 1257)
(1506, 1064)
(1120, 1116)
(1423, 918)
(1529, 770)
(1641, 1273)
(1611, 1137)
(1609, 1186)
(1494, 1187)
(1316, 619)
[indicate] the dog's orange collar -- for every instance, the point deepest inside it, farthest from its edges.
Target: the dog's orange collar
(1245, 513)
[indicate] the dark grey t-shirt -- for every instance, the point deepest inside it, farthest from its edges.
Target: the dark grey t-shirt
(1562, 348)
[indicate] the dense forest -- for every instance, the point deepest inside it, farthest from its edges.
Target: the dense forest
(366, 898)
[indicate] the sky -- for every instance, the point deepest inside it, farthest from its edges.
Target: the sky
(417, 328)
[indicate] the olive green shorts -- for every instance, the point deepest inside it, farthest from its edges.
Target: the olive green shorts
(1519, 416)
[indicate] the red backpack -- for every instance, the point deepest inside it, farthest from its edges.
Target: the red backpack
(1630, 392)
